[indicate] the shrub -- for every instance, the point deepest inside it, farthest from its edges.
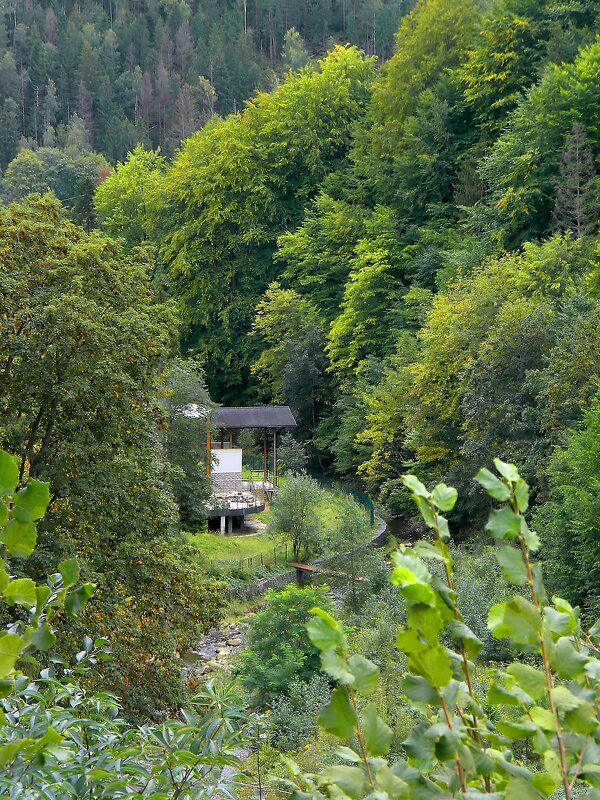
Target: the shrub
(279, 651)
(294, 714)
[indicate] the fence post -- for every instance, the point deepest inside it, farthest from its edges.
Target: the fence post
(261, 560)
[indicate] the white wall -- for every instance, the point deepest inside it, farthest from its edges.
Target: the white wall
(229, 460)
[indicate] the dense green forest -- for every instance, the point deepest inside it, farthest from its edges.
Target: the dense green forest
(386, 216)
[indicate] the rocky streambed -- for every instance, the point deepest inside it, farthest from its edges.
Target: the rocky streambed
(214, 652)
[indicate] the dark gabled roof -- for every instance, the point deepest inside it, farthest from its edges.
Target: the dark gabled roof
(253, 417)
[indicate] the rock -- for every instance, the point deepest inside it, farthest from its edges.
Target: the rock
(236, 642)
(225, 651)
(212, 664)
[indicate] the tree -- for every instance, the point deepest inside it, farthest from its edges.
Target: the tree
(292, 364)
(350, 538)
(576, 206)
(235, 186)
(294, 516)
(367, 321)
(278, 649)
(189, 406)
(123, 199)
(294, 54)
(317, 256)
(524, 164)
(291, 455)
(83, 346)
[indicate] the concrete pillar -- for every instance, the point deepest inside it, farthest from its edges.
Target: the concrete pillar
(229, 524)
(223, 526)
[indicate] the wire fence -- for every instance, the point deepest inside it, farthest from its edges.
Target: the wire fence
(269, 558)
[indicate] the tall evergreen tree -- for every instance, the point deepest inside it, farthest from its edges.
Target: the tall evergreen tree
(576, 207)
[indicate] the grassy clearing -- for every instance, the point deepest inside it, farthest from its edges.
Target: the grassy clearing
(231, 548)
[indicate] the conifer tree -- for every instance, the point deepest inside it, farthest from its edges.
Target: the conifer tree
(576, 206)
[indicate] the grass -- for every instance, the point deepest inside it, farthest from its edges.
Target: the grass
(230, 548)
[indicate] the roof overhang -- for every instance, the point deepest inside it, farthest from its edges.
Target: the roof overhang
(237, 417)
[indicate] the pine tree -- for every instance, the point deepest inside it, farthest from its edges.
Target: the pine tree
(576, 207)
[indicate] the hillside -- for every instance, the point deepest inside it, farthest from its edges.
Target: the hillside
(154, 72)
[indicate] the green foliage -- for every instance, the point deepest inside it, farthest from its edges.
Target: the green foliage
(294, 516)
(293, 716)
(83, 344)
(122, 201)
(568, 520)
(291, 455)
(189, 406)
(155, 73)
(278, 648)
(234, 188)
(318, 255)
(456, 748)
(71, 174)
(57, 737)
(525, 161)
(291, 365)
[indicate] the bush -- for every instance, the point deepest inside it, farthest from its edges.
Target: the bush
(279, 651)
(294, 714)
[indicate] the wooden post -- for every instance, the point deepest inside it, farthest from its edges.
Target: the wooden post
(265, 455)
(275, 479)
(208, 451)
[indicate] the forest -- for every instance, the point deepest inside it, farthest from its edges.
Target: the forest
(385, 215)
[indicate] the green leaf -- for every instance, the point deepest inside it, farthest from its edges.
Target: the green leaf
(426, 511)
(338, 716)
(19, 538)
(508, 471)
(566, 660)
(377, 734)
(21, 591)
(351, 780)
(432, 663)
(512, 565)
(417, 689)
(324, 631)
(543, 717)
(444, 497)
(530, 679)
(531, 539)
(9, 472)
(517, 619)
(522, 495)
(42, 638)
(34, 498)
(365, 673)
(69, 570)
(462, 633)
(335, 665)
(412, 576)
(77, 599)
(4, 579)
(493, 485)
(503, 523)
(414, 484)
(10, 650)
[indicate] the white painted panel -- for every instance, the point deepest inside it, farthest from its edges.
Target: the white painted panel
(229, 460)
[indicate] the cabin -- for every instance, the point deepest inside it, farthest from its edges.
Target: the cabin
(241, 488)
